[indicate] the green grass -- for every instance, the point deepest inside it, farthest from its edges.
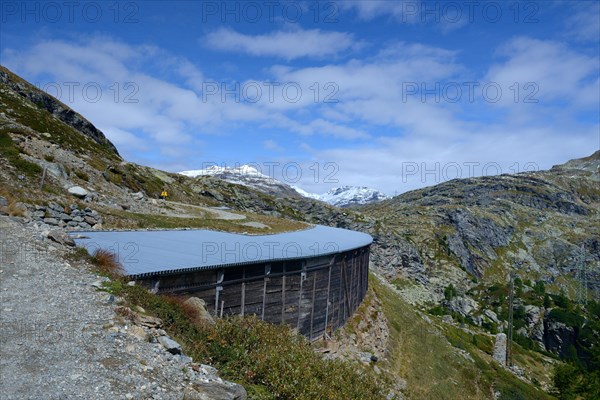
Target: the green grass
(129, 220)
(427, 357)
(11, 152)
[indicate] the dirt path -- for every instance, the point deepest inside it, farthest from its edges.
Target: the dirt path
(215, 212)
(58, 334)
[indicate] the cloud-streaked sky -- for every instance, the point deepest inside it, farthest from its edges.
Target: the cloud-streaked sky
(393, 95)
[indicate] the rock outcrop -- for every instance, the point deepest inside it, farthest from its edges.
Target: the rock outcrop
(55, 107)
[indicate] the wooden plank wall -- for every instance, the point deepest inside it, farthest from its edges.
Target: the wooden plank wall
(314, 296)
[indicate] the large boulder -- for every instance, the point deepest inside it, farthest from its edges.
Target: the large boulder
(61, 237)
(197, 306)
(170, 345)
(78, 191)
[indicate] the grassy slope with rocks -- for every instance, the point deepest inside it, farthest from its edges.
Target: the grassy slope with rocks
(424, 240)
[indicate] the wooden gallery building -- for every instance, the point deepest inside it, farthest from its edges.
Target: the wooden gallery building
(312, 280)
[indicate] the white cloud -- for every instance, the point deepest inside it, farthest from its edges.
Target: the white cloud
(399, 164)
(445, 16)
(583, 21)
(289, 45)
(368, 10)
(272, 145)
(560, 73)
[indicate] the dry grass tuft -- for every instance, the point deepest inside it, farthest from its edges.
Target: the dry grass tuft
(14, 208)
(107, 264)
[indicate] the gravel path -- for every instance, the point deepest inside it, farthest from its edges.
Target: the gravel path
(58, 335)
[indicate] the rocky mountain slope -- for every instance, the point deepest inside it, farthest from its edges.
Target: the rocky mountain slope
(542, 225)
(59, 110)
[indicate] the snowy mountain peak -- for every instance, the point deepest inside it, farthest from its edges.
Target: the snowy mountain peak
(246, 175)
(350, 195)
(250, 176)
(246, 170)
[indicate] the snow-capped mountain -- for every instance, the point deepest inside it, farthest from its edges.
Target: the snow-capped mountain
(346, 195)
(351, 195)
(304, 193)
(248, 176)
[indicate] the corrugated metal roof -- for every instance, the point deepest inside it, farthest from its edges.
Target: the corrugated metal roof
(143, 252)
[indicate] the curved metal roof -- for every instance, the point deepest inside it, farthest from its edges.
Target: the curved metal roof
(152, 252)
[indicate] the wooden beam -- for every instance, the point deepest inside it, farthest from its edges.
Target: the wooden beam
(302, 278)
(328, 299)
(312, 309)
(243, 305)
(264, 296)
(283, 294)
(347, 295)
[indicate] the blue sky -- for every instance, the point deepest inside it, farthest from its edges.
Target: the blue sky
(393, 95)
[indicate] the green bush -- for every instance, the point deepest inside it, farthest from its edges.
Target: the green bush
(539, 288)
(11, 152)
(569, 318)
(566, 378)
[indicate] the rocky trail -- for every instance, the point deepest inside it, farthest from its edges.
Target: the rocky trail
(61, 339)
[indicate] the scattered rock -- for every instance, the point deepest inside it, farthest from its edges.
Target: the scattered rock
(366, 357)
(170, 345)
(78, 191)
(138, 332)
(99, 283)
(3, 202)
(491, 315)
(61, 237)
(51, 221)
(147, 321)
(138, 196)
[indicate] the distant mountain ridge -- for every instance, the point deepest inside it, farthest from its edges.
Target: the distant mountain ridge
(245, 175)
(250, 176)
